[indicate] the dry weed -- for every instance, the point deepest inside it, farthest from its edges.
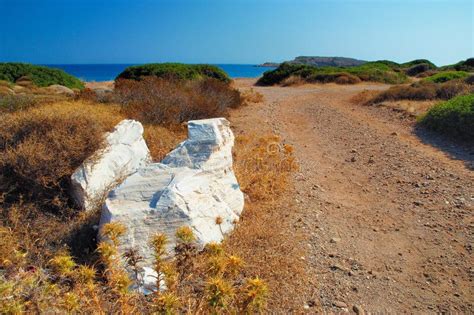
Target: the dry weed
(263, 165)
(252, 96)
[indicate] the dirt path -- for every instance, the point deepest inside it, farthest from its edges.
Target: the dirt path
(387, 220)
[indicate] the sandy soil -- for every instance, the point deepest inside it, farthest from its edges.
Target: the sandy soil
(381, 211)
(100, 85)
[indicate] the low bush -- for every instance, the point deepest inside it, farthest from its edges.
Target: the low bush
(39, 75)
(174, 71)
(446, 76)
(263, 165)
(13, 103)
(212, 283)
(158, 101)
(416, 62)
(454, 117)
(161, 140)
(465, 65)
(421, 91)
(252, 96)
(370, 71)
(41, 147)
(469, 79)
(418, 69)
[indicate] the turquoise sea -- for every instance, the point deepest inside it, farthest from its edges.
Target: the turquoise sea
(108, 72)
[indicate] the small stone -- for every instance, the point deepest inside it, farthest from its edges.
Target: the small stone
(394, 133)
(353, 159)
(335, 240)
(358, 310)
(306, 307)
(339, 304)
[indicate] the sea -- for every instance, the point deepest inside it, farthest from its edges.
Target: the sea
(108, 72)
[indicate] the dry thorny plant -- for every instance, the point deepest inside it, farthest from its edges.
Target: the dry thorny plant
(196, 281)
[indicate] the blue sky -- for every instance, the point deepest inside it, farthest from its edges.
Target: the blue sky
(224, 31)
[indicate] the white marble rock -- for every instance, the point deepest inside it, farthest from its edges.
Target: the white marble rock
(124, 153)
(192, 186)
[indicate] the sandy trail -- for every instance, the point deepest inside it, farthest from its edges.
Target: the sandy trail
(386, 219)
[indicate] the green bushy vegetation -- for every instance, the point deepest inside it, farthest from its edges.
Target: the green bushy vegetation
(454, 117)
(174, 71)
(418, 62)
(465, 65)
(41, 76)
(371, 71)
(446, 76)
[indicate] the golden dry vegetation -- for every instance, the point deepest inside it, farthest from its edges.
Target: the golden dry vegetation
(50, 260)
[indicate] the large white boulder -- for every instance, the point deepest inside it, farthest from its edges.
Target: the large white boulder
(193, 186)
(124, 153)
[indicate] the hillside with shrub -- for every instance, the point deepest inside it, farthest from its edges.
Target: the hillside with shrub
(175, 71)
(464, 65)
(327, 61)
(40, 76)
(371, 71)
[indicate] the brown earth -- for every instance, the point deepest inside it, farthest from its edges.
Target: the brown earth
(380, 216)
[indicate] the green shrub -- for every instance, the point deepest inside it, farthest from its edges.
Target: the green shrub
(418, 69)
(415, 62)
(446, 76)
(465, 65)
(39, 75)
(454, 117)
(175, 71)
(370, 71)
(389, 63)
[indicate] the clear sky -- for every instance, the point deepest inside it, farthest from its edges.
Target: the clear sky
(238, 31)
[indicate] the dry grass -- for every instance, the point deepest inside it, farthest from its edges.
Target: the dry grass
(263, 165)
(161, 140)
(413, 108)
(422, 91)
(47, 246)
(363, 97)
(415, 99)
(41, 147)
(293, 80)
(159, 101)
(252, 96)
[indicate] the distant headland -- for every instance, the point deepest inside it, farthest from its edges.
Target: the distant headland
(320, 62)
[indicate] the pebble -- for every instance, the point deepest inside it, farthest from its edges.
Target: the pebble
(358, 310)
(335, 240)
(339, 304)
